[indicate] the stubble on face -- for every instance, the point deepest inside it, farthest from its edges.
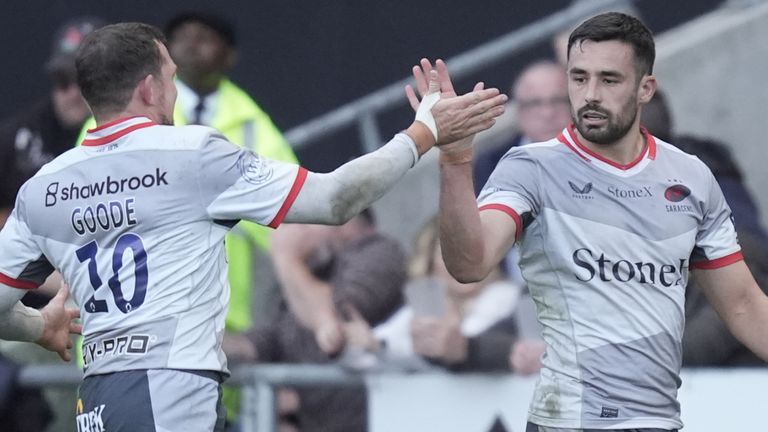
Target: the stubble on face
(616, 127)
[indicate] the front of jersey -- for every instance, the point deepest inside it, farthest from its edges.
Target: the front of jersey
(606, 250)
(135, 219)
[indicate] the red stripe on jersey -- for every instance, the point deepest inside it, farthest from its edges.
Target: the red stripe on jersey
(16, 283)
(111, 123)
(649, 150)
(122, 132)
(301, 177)
(719, 262)
(511, 212)
(564, 140)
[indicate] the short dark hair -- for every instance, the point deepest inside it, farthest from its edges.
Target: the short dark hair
(112, 60)
(621, 27)
(216, 23)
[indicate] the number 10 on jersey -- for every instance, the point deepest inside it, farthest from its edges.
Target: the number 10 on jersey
(89, 252)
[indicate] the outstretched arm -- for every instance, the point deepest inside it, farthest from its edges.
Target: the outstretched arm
(741, 304)
(335, 197)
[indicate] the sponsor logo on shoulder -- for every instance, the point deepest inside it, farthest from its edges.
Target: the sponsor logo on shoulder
(90, 421)
(581, 192)
(254, 169)
(676, 194)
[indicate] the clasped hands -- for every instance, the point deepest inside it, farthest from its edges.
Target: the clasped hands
(452, 120)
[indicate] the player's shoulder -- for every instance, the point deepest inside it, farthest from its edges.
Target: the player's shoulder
(188, 137)
(677, 157)
(536, 151)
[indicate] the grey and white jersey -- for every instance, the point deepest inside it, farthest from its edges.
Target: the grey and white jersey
(135, 220)
(606, 250)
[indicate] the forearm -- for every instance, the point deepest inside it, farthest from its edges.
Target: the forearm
(21, 323)
(749, 322)
(460, 227)
(336, 197)
(309, 299)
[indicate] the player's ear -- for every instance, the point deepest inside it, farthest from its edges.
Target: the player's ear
(146, 90)
(646, 89)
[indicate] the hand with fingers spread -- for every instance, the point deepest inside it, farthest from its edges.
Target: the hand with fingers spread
(59, 325)
(453, 120)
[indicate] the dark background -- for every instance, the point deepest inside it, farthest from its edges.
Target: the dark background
(302, 59)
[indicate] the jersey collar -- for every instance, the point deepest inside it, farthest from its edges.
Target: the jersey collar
(109, 132)
(571, 140)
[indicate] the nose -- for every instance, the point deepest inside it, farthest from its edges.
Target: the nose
(592, 94)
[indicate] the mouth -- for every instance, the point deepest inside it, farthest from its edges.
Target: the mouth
(594, 118)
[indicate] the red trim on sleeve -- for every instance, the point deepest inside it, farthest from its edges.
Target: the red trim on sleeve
(719, 262)
(511, 212)
(16, 283)
(301, 177)
(116, 135)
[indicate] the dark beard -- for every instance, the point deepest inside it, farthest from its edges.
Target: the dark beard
(617, 127)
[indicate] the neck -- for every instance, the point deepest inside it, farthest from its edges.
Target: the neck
(103, 118)
(623, 151)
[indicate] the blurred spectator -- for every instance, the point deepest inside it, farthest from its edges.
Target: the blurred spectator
(36, 135)
(326, 273)
(540, 94)
(29, 140)
(466, 327)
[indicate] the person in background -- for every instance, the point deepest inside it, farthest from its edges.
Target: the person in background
(447, 324)
(29, 140)
(39, 133)
(540, 94)
(331, 277)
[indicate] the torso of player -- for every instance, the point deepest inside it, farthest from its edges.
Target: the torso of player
(606, 252)
(124, 220)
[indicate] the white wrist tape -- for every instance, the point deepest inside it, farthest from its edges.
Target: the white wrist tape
(424, 113)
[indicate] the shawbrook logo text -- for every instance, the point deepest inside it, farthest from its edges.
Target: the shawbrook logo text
(54, 193)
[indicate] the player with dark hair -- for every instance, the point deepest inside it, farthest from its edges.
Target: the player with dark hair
(609, 220)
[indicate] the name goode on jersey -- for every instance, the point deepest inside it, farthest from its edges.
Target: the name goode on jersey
(622, 270)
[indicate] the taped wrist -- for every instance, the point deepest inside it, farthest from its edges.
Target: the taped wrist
(424, 113)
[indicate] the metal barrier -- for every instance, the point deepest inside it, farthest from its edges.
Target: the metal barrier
(364, 110)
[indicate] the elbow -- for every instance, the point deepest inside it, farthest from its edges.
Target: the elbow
(466, 275)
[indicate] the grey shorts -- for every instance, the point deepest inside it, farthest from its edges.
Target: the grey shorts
(536, 428)
(154, 400)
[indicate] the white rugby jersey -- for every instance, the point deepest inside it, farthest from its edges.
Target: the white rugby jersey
(606, 251)
(135, 220)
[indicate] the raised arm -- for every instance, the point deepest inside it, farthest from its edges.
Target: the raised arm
(739, 302)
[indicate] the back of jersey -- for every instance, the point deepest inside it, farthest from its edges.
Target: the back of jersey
(129, 219)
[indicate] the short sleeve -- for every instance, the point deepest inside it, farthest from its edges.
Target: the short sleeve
(513, 188)
(716, 242)
(22, 263)
(236, 184)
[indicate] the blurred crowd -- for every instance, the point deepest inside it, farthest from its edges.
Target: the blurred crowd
(347, 295)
